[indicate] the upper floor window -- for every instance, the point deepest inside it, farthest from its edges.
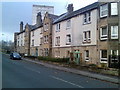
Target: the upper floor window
(57, 43)
(87, 17)
(41, 41)
(68, 24)
(32, 42)
(114, 32)
(46, 39)
(103, 33)
(86, 36)
(58, 27)
(68, 39)
(114, 9)
(46, 27)
(32, 33)
(41, 30)
(104, 10)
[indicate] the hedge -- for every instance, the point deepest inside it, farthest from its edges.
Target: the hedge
(53, 59)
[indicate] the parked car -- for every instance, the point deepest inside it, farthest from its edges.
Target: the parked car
(15, 55)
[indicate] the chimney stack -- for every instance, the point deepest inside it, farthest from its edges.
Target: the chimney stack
(39, 19)
(70, 8)
(21, 26)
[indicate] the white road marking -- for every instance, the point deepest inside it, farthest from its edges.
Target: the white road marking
(66, 81)
(32, 69)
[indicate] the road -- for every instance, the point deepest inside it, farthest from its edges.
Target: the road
(25, 74)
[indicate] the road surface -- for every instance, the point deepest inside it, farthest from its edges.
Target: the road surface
(25, 74)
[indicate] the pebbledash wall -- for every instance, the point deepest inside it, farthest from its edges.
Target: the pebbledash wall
(92, 30)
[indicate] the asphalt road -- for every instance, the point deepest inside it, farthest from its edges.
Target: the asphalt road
(24, 74)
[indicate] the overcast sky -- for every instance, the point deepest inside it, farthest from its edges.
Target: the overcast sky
(13, 12)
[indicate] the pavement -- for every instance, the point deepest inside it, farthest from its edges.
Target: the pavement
(112, 79)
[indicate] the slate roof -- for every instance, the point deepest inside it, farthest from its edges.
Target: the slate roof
(67, 15)
(52, 16)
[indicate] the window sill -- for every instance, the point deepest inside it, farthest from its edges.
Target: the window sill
(68, 43)
(86, 23)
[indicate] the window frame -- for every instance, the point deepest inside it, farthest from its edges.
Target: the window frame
(68, 39)
(58, 27)
(87, 53)
(103, 37)
(112, 35)
(113, 9)
(105, 60)
(68, 24)
(101, 11)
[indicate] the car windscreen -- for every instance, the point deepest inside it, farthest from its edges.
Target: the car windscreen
(16, 54)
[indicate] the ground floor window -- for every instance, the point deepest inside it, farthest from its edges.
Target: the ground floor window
(114, 55)
(86, 55)
(57, 53)
(103, 56)
(46, 51)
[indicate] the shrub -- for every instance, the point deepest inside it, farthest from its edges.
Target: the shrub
(53, 59)
(31, 57)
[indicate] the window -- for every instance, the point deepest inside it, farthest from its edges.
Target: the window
(21, 42)
(103, 33)
(104, 10)
(32, 42)
(58, 27)
(32, 33)
(41, 41)
(86, 36)
(46, 51)
(18, 43)
(114, 32)
(87, 17)
(41, 31)
(46, 39)
(103, 56)
(114, 52)
(57, 43)
(89, 35)
(57, 53)
(114, 9)
(46, 27)
(68, 39)
(68, 24)
(114, 55)
(86, 55)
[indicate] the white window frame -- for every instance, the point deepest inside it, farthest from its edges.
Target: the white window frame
(103, 37)
(86, 17)
(87, 58)
(114, 9)
(114, 36)
(101, 10)
(68, 24)
(58, 27)
(84, 39)
(88, 36)
(68, 39)
(103, 58)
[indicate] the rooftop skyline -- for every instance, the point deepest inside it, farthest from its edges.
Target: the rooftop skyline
(15, 12)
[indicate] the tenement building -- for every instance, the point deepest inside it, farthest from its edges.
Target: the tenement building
(89, 35)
